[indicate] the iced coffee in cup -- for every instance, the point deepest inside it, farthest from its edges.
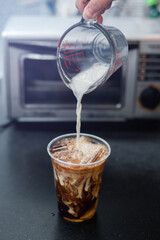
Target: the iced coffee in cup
(78, 173)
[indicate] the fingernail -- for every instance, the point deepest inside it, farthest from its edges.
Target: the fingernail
(88, 13)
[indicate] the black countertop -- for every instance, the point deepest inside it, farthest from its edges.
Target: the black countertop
(129, 203)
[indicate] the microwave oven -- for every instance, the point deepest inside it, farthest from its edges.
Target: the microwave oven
(35, 91)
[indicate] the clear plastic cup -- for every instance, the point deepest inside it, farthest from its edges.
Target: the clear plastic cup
(77, 185)
(90, 51)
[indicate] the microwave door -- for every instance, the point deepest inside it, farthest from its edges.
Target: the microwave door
(110, 95)
(41, 84)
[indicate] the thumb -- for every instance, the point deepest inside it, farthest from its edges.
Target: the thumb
(96, 7)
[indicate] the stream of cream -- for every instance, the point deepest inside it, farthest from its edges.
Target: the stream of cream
(80, 84)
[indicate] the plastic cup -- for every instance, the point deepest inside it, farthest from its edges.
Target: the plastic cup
(77, 185)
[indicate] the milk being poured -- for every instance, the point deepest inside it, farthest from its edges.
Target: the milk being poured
(80, 84)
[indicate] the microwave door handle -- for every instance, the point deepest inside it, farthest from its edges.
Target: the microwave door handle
(38, 56)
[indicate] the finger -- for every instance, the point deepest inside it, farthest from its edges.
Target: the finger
(100, 12)
(95, 8)
(100, 19)
(80, 4)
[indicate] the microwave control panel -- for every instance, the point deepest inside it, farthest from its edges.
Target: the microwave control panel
(148, 84)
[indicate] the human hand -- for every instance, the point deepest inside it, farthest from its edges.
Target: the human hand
(94, 8)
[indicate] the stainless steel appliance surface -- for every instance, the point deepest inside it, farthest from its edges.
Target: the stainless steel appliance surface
(35, 92)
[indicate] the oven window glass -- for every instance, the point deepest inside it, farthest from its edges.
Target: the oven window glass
(43, 85)
(110, 93)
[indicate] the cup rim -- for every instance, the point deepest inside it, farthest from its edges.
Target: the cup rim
(81, 134)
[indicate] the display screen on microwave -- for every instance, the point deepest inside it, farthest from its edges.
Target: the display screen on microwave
(43, 85)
